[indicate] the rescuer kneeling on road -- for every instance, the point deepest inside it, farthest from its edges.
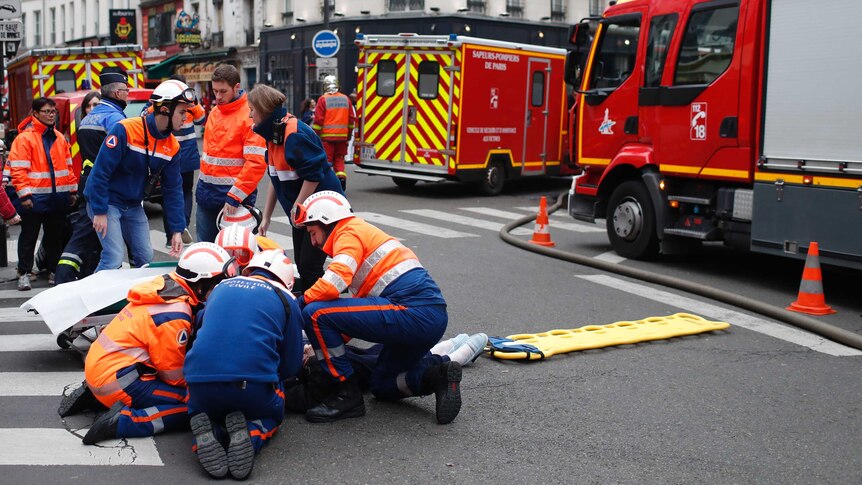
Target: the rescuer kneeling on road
(396, 303)
(136, 365)
(249, 342)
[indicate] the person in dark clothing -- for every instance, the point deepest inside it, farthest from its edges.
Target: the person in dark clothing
(306, 108)
(297, 167)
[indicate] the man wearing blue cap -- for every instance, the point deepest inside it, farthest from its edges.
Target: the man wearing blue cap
(82, 251)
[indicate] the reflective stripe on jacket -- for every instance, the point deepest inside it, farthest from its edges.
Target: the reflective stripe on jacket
(151, 330)
(233, 159)
(48, 182)
(334, 117)
(364, 259)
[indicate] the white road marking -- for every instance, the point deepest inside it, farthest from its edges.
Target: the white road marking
(157, 241)
(11, 294)
(466, 221)
(766, 327)
(556, 221)
(53, 446)
(412, 226)
(28, 342)
(38, 383)
(12, 250)
(8, 315)
(610, 257)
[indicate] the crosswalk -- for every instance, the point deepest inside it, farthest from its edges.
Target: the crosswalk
(35, 373)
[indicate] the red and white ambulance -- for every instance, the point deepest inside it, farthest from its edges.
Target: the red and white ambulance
(438, 108)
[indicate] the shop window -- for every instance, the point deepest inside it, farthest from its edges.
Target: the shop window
(160, 29)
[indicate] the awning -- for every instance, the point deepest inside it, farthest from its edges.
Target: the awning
(165, 68)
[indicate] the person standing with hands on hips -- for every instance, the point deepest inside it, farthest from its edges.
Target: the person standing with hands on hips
(138, 153)
(297, 168)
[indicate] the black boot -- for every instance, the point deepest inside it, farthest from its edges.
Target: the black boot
(346, 402)
(445, 380)
(313, 385)
(79, 400)
(105, 427)
(211, 453)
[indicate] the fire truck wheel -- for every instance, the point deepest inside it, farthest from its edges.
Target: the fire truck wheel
(493, 179)
(404, 183)
(631, 222)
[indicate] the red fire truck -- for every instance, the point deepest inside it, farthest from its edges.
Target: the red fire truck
(721, 120)
(438, 108)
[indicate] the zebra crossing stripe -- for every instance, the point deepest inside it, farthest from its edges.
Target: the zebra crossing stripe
(413, 226)
(8, 315)
(56, 446)
(157, 241)
(32, 342)
(15, 294)
(557, 224)
(465, 221)
(38, 383)
(610, 257)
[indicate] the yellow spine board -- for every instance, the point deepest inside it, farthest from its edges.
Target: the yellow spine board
(619, 333)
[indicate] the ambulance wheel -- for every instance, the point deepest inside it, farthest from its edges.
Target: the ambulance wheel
(493, 179)
(631, 222)
(404, 183)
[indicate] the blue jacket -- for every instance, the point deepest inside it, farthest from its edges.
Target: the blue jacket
(190, 156)
(249, 342)
(300, 158)
(95, 126)
(123, 167)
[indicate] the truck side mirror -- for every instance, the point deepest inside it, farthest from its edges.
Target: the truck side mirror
(579, 34)
(574, 69)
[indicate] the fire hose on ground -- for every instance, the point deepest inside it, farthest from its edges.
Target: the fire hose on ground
(826, 330)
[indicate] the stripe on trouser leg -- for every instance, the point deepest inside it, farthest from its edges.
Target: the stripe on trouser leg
(326, 357)
(401, 381)
(333, 352)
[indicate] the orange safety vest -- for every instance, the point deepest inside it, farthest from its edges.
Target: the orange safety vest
(334, 117)
(30, 168)
(150, 330)
(233, 155)
(277, 166)
(364, 259)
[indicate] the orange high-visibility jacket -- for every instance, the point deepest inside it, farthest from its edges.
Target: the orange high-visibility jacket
(152, 329)
(33, 174)
(364, 259)
(233, 161)
(334, 117)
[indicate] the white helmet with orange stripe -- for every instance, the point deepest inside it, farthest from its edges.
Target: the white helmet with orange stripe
(205, 260)
(326, 207)
(245, 216)
(276, 262)
(239, 242)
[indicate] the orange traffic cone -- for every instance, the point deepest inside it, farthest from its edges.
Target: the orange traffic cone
(540, 230)
(811, 299)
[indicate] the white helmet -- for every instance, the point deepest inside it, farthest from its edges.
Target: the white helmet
(239, 242)
(205, 260)
(326, 206)
(245, 216)
(330, 84)
(173, 91)
(276, 262)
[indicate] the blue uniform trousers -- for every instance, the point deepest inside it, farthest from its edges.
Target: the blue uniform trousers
(81, 254)
(155, 407)
(407, 334)
(261, 404)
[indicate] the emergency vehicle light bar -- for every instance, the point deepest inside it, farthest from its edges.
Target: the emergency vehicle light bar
(403, 39)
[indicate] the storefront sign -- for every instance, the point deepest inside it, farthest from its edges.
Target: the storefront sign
(123, 30)
(188, 33)
(200, 72)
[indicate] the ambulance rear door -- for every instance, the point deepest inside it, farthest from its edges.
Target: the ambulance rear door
(429, 109)
(383, 90)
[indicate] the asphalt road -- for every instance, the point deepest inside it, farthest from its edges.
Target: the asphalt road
(759, 402)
